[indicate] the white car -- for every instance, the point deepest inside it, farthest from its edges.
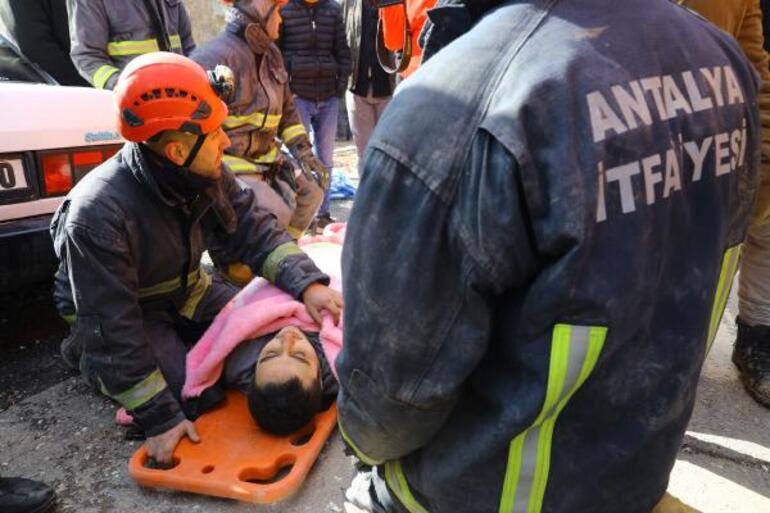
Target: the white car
(50, 137)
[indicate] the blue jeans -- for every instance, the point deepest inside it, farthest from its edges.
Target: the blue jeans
(320, 120)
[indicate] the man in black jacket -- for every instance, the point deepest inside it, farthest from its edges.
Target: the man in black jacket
(40, 29)
(317, 58)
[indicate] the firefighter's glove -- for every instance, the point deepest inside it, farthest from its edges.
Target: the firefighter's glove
(314, 169)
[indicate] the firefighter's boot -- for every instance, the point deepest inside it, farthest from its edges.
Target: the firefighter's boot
(751, 355)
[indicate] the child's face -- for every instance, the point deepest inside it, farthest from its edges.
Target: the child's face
(288, 355)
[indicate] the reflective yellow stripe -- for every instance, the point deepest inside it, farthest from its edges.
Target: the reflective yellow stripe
(168, 286)
(267, 158)
(292, 132)
(103, 74)
(726, 274)
(140, 393)
(258, 119)
(394, 476)
(361, 456)
(202, 284)
(139, 47)
(279, 254)
(574, 353)
(239, 165)
(69, 318)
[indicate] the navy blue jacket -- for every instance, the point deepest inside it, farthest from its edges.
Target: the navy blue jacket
(566, 213)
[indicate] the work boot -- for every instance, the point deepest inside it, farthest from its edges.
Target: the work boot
(670, 504)
(19, 495)
(751, 355)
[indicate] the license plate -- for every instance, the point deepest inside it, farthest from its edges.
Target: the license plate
(12, 175)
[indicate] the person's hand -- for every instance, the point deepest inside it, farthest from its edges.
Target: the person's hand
(160, 448)
(319, 297)
(314, 169)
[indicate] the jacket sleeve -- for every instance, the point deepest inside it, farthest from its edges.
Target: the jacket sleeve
(420, 277)
(109, 322)
(291, 130)
(267, 249)
(89, 34)
(750, 37)
(341, 53)
(34, 34)
(185, 30)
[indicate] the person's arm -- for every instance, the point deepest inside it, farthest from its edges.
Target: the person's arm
(34, 34)
(258, 242)
(421, 274)
(104, 284)
(341, 54)
(291, 131)
(89, 34)
(185, 30)
(750, 37)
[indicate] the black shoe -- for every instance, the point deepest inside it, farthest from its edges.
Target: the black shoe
(19, 495)
(751, 355)
(324, 220)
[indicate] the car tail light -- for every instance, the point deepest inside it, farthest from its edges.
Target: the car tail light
(62, 169)
(57, 173)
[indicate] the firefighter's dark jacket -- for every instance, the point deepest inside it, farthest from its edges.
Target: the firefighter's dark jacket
(41, 31)
(131, 251)
(567, 211)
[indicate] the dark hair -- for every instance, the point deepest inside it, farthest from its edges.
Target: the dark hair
(283, 408)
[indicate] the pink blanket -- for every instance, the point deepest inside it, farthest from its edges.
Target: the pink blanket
(261, 308)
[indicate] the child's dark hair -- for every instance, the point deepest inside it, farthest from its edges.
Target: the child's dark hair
(283, 408)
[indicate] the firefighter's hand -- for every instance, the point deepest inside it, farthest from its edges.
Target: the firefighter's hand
(160, 448)
(314, 169)
(319, 297)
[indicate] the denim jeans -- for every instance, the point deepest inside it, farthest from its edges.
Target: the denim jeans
(320, 120)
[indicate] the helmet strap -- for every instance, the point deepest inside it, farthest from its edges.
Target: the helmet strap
(194, 150)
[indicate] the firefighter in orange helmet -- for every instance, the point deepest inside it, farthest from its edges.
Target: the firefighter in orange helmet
(130, 236)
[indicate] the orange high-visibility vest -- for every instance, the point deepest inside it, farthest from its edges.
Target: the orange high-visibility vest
(393, 28)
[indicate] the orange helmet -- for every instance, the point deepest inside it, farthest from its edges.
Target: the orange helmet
(165, 91)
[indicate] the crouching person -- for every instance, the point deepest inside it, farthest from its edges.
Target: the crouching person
(263, 115)
(130, 236)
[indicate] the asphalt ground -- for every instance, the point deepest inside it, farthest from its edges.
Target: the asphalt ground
(55, 429)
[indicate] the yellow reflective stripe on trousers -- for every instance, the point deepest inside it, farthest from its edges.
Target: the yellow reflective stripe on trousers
(292, 132)
(727, 272)
(258, 119)
(574, 353)
(140, 393)
(202, 285)
(359, 453)
(394, 476)
(274, 259)
(139, 47)
(168, 286)
(103, 74)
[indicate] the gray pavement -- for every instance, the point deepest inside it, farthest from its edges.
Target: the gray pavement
(65, 435)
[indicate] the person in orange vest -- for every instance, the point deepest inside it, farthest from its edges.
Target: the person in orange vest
(413, 12)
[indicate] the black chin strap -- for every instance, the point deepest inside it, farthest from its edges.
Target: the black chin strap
(194, 151)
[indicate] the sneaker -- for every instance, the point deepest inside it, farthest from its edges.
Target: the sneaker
(322, 221)
(751, 354)
(359, 496)
(19, 495)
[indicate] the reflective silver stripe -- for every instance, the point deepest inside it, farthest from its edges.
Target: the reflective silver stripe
(574, 353)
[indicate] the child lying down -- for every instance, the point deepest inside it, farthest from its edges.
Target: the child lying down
(265, 344)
